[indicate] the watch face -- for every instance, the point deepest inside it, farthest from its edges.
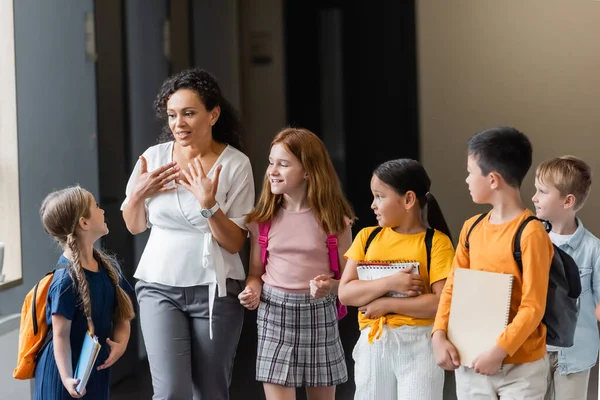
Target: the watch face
(206, 213)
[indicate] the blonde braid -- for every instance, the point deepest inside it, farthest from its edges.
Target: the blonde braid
(78, 276)
(123, 305)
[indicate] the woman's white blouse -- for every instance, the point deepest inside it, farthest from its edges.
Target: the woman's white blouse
(181, 250)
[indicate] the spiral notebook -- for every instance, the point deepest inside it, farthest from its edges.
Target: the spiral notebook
(479, 311)
(370, 270)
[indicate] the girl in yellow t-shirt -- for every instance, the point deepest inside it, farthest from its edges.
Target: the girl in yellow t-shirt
(394, 356)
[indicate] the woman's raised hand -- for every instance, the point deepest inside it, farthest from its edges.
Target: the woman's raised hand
(149, 184)
(200, 185)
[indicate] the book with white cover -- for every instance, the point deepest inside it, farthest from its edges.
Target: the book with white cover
(479, 311)
(370, 270)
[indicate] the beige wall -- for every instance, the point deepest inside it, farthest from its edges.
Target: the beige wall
(532, 64)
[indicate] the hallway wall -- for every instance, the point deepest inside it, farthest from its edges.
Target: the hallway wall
(9, 335)
(533, 65)
(530, 64)
(57, 144)
(147, 67)
(56, 118)
(216, 43)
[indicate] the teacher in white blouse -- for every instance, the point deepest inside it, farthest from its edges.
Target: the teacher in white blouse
(192, 190)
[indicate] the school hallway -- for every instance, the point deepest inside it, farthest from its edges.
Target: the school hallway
(375, 80)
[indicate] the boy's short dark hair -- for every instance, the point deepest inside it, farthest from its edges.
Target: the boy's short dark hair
(504, 150)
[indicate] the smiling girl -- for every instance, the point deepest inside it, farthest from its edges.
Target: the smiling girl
(293, 265)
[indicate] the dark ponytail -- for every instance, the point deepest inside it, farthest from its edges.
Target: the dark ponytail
(405, 175)
(227, 129)
(435, 217)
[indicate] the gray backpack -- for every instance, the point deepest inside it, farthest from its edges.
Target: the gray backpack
(564, 288)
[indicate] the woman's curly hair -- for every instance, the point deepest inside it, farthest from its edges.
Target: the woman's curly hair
(228, 127)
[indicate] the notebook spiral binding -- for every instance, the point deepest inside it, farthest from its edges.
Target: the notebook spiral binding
(386, 263)
(507, 317)
(510, 285)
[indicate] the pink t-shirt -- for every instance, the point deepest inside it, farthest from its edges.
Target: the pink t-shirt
(297, 251)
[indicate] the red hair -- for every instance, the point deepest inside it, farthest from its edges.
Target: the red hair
(327, 201)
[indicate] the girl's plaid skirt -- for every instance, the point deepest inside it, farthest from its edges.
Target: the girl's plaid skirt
(298, 340)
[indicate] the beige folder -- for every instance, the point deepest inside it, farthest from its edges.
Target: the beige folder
(479, 311)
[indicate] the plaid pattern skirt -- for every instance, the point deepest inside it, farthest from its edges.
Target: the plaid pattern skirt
(298, 340)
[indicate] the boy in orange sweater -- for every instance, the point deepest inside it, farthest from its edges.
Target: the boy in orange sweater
(497, 163)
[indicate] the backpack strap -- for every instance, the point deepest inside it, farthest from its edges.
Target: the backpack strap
(34, 309)
(334, 264)
(517, 254)
(374, 233)
(49, 334)
(34, 302)
(47, 340)
(263, 240)
(428, 245)
(334, 261)
(478, 220)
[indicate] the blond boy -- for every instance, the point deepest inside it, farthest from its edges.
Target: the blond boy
(562, 186)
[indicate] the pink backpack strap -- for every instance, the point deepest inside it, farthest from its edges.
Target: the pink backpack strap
(334, 264)
(263, 240)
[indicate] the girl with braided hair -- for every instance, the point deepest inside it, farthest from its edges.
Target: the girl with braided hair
(87, 294)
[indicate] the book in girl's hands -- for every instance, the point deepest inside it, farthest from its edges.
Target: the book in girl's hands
(479, 311)
(87, 359)
(371, 270)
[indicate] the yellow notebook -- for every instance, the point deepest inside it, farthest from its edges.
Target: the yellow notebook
(479, 311)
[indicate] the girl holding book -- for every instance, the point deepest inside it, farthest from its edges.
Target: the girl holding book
(305, 211)
(393, 356)
(88, 295)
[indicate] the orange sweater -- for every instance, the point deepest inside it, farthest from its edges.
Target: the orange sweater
(491, 249)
